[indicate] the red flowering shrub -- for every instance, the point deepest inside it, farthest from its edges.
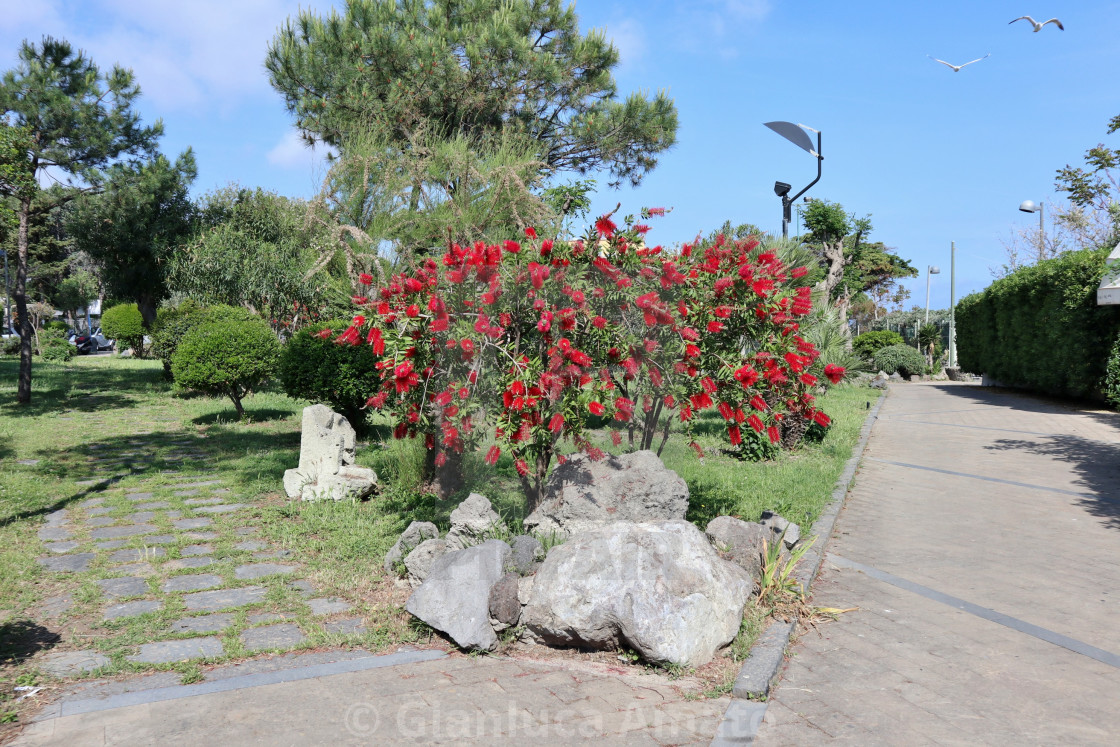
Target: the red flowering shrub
(523, 342)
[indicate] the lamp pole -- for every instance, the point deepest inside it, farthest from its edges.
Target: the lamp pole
(930, 270)
(7, 295)
(795, 133)
(953, 305)
(1029, 206)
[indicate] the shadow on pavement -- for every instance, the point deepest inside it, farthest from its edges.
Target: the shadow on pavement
(1023, 401)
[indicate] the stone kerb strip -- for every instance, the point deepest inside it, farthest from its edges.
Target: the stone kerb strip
(765, 659)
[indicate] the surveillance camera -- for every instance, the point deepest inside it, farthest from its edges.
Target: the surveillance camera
(781, 189)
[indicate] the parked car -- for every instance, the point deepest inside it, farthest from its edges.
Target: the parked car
(83, 342)
(103, 343)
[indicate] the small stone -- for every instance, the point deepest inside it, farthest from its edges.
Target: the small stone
(54, 518)
(471, 521)
(135, 569)
(114, 532)
(111, 544)
(165, 652)
(192, 583)
(527, 552)
(202, 501)
(345, 626)
(134, 554)
(129, 609)
(71, 663)
(267, 617)
(141, 516)
(201, 536)
(221, 599)
(196, 550)
(67, 563)
(192, 523)
(777, 524)
(504, 605)
(61, 547)
(250, 545)
(419, 562)
(259, 570)
(417, 532)
(55, 533)
(220, 508)
(160, 539)
(273, 555)
(304, 587)
(121, 588)
(102, 521)
(153, 505)
(284, 635)
(328, 605)
(203, 624)
(185, 492)
(178, 565)
(245, 531)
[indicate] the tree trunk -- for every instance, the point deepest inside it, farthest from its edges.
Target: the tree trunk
(448, 476)
(23, 393)
(235, 395)
(148, 307)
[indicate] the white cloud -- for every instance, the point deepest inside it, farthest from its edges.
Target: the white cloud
(293, 153)
(629, 38)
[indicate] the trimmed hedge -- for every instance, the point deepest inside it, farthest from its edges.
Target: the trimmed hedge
(870, 343)
(227, 357)
(173, 323)
(321, 370)
(1040, 328)
(901, 359)
(124, 324)
(1112, 376)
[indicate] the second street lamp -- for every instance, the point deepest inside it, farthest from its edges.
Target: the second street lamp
(930, 270)
(1028, 206)
(795, 133)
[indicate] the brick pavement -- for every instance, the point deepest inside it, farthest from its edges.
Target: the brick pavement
(1005, 501)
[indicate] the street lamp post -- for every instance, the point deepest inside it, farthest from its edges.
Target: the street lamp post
(7, 295)
(795, 133)
(930, 270)
(1028, 206)
(953, 305)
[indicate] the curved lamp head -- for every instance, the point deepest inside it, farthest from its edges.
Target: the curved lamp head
(795, 133)
(1028, 206)
(934, 270)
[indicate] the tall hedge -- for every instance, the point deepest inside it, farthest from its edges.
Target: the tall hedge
(319, 369)
(1040, 328)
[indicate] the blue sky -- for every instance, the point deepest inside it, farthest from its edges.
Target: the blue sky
(934, 156)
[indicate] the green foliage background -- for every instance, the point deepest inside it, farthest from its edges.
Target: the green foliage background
(321, 370)
(1040, 328)
(900, 359)
(124, 324)
(869, 343)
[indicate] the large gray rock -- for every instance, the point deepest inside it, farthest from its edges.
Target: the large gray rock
(779, 525)
(471, 521)
(656, 587)
(326, 460)
(527, 554)
(505, 608)
(742, 542)
(417, 532)
(582, 494)
(455, 598)
(419, 562)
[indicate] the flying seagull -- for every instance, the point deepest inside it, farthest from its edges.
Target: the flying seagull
(1038, 26)
(957, 68)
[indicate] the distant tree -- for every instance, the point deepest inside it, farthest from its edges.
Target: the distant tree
(133, 227)
(76, 292)
(73, 122)
(471, 68)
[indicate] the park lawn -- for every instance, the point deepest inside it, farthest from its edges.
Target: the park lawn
(104, 405)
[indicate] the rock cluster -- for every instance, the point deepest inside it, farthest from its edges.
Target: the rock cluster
(326, 460)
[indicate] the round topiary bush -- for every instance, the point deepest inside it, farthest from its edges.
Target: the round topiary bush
(226, 357)
(869, 343)
(124, 324)
(315, 367)
(173, 323)
(900, 359)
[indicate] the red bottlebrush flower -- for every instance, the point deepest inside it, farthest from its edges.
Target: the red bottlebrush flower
(556, 423)
(773, 434)
(326, 333)
(796, 362)
(746, 376)
(531, 232)
(755, 422)
(709, 385)
(690, 334)
(659, 211)
(834, 373)
(726, 411)
(412, 311)
(624, 409)
(522, 467)
(400, 430)
(606, 227)
(799, 272)
(715, 328)
(686, 413)
(365, 279)
(546, 247)
(512, 247)
(808, 379)
(616, 438)
(544, 324)
(441, 459)
(691, 351)
(599, 322)
(492, 455)
(758, 403)
(670, 401)
(596, 408)
(701, 400)
(696, 447)
(821, 419)
(440, 323)
(734, 435)
(656, 377)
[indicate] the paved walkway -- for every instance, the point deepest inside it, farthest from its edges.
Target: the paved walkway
(981, 544)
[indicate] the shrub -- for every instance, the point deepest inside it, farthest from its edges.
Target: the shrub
(124, 324)
(1112, 376)
(57, 324)
(900, 359)
(173, 323)
(314, 367)
(869, 343)
(10, 345)
(53, 345)
(1040, 327)
(226, 357)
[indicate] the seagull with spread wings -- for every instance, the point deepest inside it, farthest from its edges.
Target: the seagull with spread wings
(1038, 26)
(957, 68)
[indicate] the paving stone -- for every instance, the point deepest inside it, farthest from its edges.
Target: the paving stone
(177, 565)
(283, 635)
(138, 496)
(193, 491)
(101, 521)
(112, 532)
(201, 536)
(201, 484)
(328, 605)
(222, 508)
(250, 545)
(245, 531)
(259, 570)
(196, 550)
(220, 599)
(130, 609)
(55, 518)
(160, 539)
(111, 544)
(203, 624)
(55, 533)
(61, 547)
(265, 617)
(192, 583)
(132, 555)
(92, 502)
(70, 663)
(153, 505)
(202, 501)
(303, 586)
(100, 511)
(53, 607)
(345, 626)
(165, 652)
(272, 555)
(27, 462)
(141, 517)
(135, 569)
(120, 588)
(220, 491)
(67, 563)
(84, 483)
(192, 523)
